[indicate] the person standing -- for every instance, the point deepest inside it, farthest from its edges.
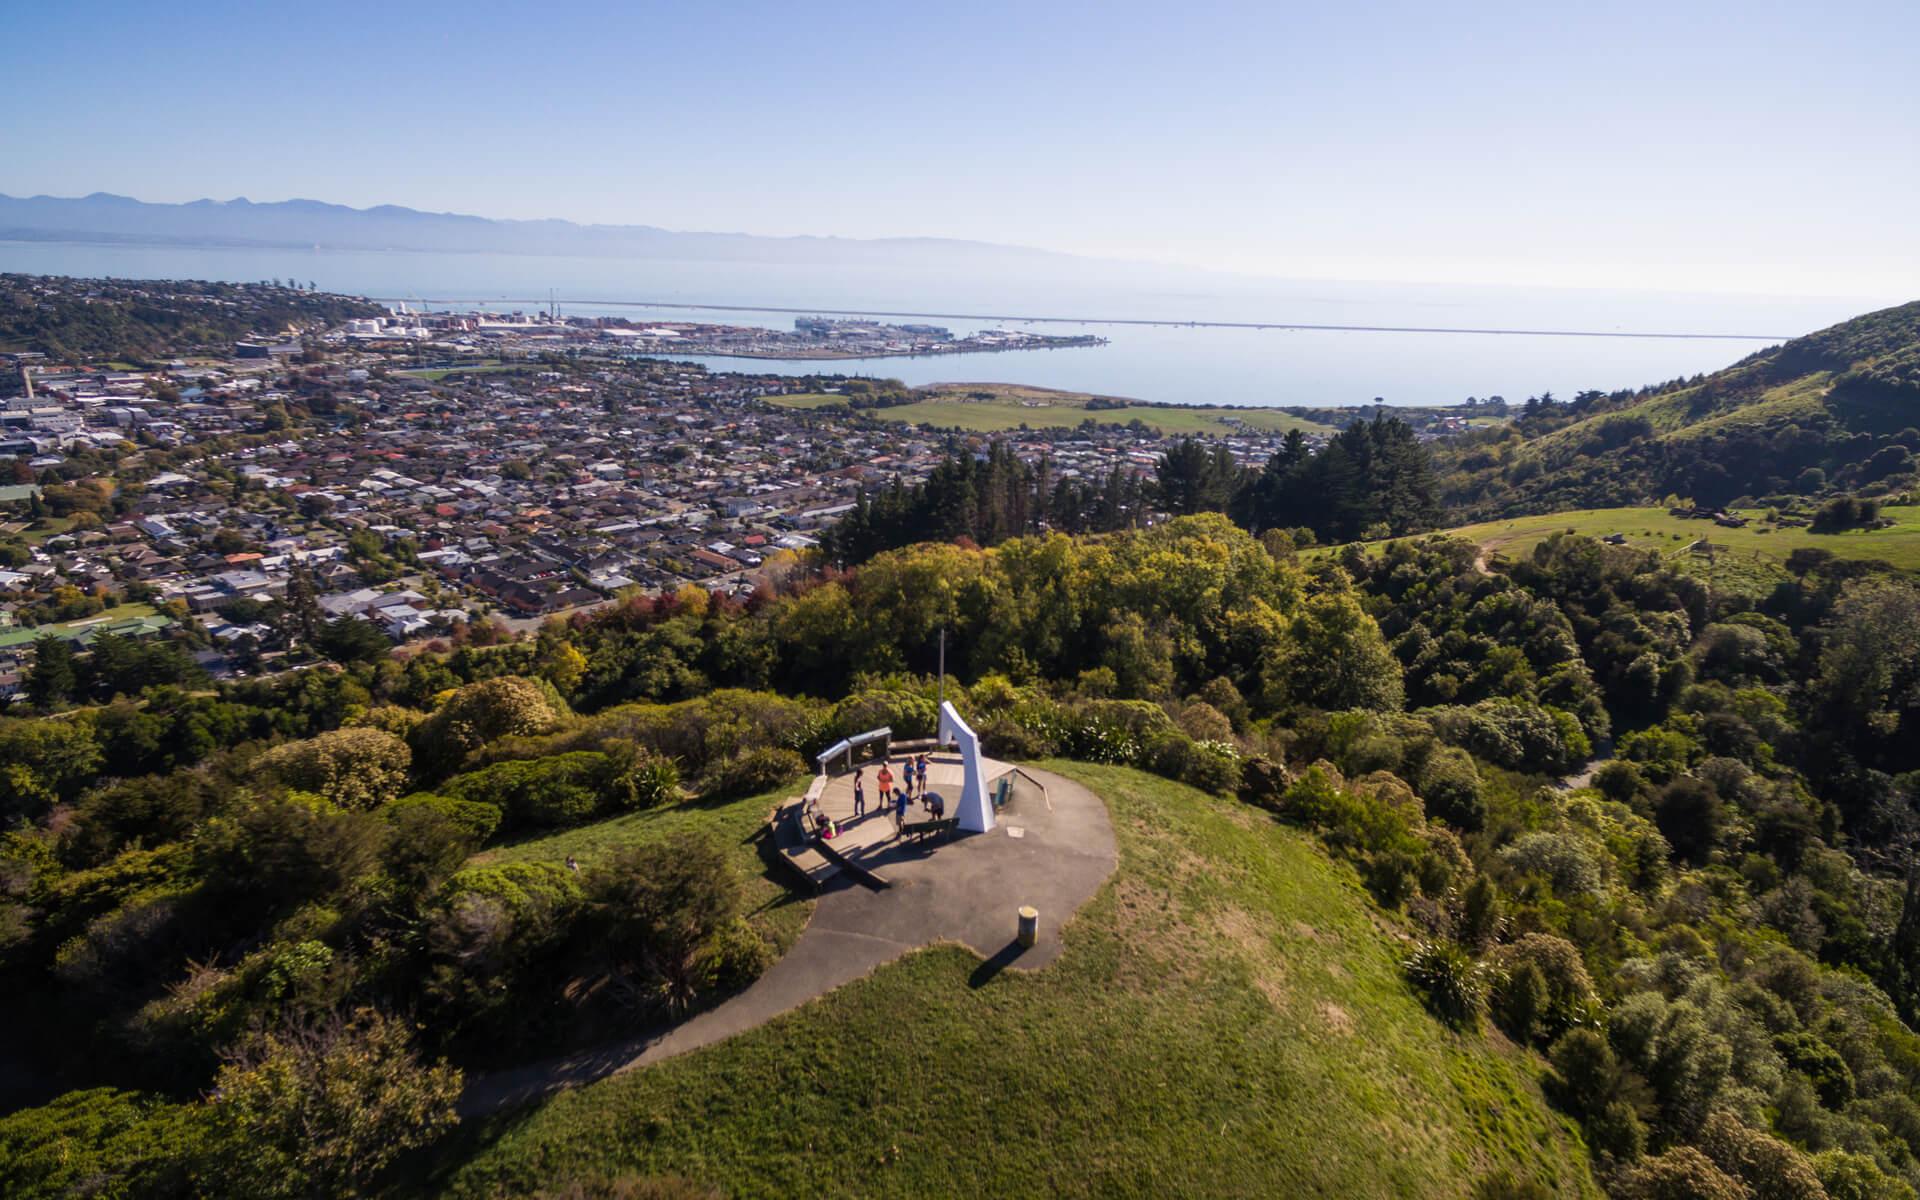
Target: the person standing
(886, 781)
(899, 812)
(920, 766)
(859, 793)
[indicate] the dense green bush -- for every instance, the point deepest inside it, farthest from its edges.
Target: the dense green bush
(478, 713)
(355, 768)
(1682, 1173)
(495, 951)
(565, 789)
(102, 1142)
(1449, 783)
(1569, 995)
(752, 771)
(475, 818)
(1521, 737)
(665, 913)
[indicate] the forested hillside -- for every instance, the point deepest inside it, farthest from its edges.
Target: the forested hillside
(1709, 952)
(82, 320)
(1835, 410)
(1372, 479)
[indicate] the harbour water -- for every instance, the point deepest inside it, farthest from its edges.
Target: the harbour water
(1169, 360)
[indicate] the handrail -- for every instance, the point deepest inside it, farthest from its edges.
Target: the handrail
(1020, 770)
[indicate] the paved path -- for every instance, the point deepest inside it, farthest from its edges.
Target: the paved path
(965, 890)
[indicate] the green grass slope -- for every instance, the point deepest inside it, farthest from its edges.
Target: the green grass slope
(771, 907)
(1748, 561)
(1000, 408)
(1828, 400)
(1229, 1018)
(1654, 529)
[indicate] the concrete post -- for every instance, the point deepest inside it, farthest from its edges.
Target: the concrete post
(1029, 925)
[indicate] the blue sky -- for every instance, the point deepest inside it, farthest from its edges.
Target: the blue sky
(1753, 146)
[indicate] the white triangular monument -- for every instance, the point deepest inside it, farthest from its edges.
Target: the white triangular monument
(973, 814)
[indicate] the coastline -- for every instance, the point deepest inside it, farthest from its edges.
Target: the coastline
(838, 355)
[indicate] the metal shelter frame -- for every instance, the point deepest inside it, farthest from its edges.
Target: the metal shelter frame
(847, 746)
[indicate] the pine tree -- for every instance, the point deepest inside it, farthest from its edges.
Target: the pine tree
(53, 679)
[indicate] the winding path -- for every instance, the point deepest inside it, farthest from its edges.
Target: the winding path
(965, 890)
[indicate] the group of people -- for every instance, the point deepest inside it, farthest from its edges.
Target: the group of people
(894, 800)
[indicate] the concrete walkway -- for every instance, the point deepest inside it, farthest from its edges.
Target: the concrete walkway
(964, 890)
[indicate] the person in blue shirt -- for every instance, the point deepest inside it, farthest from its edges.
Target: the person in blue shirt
(899, 811)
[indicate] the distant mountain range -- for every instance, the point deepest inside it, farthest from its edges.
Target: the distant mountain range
(306, 224)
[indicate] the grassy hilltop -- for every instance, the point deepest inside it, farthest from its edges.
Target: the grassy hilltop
(1230, 1018)
(1749, 560)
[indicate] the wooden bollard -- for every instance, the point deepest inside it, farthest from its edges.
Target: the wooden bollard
(1029, 925)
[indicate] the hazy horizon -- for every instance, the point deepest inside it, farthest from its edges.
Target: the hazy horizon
(1647, 147)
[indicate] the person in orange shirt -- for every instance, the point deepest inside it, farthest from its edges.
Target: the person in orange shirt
(886, 778)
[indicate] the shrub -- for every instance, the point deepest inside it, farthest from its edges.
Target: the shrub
(1682, 1173)
(565, 789)
(357, 768)
(1520, 1002)
(651, 780)
(1588, 1072)
(1849, 1176)
(753, 771)
(1832, 1079)
(1773, 1169)
(1619, 781)
(1204, 723)
(1515, 735)
(1451, 980)
(474, 818)
(734, 957)
(1617, 1132)
(528, 891)
(432, 836)
(909, 714)
(494, 939)
(1003, 737)
(282, 852)
(321, 1109)
(151, 810)
(506, 706)
(1845, 512)
(662, 908)
(1560, 857)
(1569, 989)
(1449, 784)
(1263, 782)
(1210, 766)
(101, 1142)
(1691, 817)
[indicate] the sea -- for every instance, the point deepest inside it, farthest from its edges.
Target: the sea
(1173, 336)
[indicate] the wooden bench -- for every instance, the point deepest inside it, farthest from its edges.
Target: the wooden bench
(921, 830)
(797, 846)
